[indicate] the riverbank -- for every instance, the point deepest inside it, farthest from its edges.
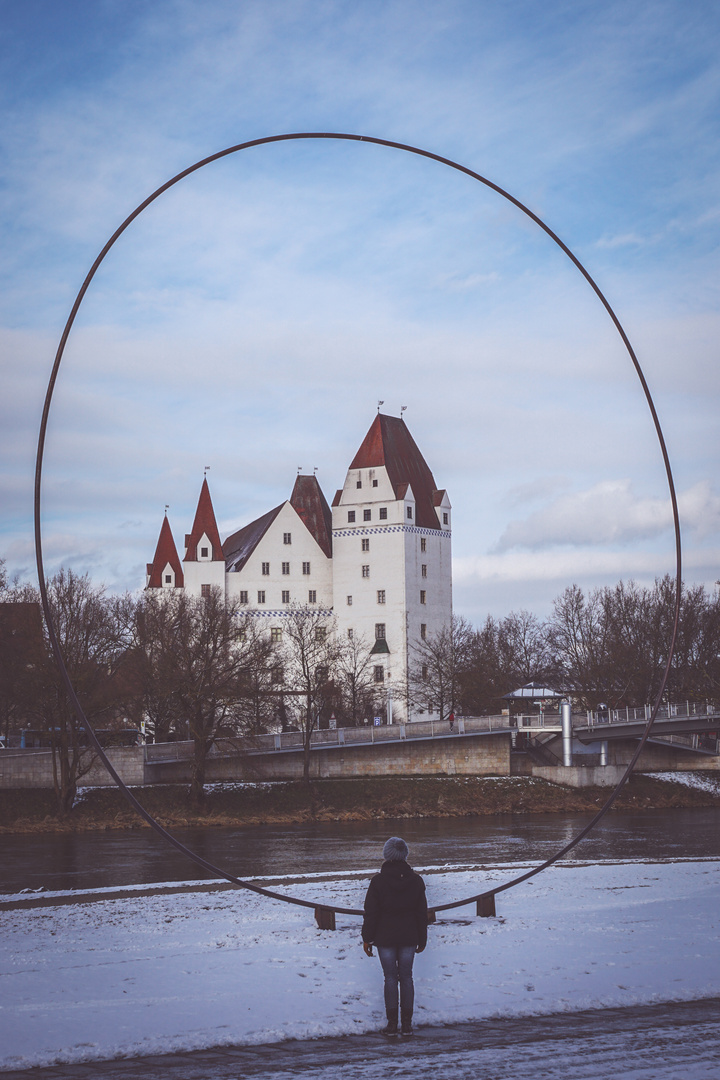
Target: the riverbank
(367, 799)
(149, 975)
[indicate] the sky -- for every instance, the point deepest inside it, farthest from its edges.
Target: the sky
(253, 317)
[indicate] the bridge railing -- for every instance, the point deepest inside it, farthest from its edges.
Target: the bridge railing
(670, 711)
(342, 736)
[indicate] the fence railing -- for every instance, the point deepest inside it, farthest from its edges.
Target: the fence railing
(342, 736)
(671, 711)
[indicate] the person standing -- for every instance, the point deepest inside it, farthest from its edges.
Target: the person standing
(396, 921)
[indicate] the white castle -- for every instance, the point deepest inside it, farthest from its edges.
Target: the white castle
(379, 561)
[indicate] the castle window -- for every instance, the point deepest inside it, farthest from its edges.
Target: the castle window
(168, 579)
(320, 633)
(408, 511)
(243, 596)
(366, 571)
(423, 570)
(349, 600)
(367, 514)
(306, 568)
(266, 569)
(365, 544)
(359, 484)
(261, 596)
(350, 634)
(445, 519)
(383, 513)
(312, 596)
(375, 483)
(276, 633)
(351, 516)
(286, 596)
(423, 544)
(203, 553)
(381, 596)
(379, 631)
(205, 590)
(286, 568)
(425, 675)
(379, 673)
(287, 538)
(423, 596)
(423, 631)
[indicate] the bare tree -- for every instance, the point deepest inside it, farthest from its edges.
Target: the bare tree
(198, 658)
(438, 666)
(310, 651)
(93, 631)
(355, 679)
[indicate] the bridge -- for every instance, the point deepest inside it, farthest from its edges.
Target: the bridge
(688, 723)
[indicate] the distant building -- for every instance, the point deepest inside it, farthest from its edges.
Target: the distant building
(379, 561)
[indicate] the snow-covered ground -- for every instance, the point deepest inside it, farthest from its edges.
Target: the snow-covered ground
(701, 781)
(141, 975)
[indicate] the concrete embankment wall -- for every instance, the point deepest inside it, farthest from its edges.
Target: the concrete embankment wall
(484, 755)
(34, 768)
(469, 755)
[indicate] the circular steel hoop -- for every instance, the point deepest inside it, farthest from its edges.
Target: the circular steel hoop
(342, 136)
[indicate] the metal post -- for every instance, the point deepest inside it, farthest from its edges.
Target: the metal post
(325, 918)
(486, 906)
(389, 706)
(604, 752)
(566, 714)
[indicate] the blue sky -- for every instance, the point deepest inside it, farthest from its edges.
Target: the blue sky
(253, 317)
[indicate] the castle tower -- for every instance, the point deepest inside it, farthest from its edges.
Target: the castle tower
(165, 571)
(204, 562)
(392, 575)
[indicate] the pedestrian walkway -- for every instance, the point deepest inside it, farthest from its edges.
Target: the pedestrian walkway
(649, 1042)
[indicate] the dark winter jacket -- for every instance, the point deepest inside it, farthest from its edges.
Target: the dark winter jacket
(395, 907)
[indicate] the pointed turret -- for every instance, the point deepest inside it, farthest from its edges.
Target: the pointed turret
(203, 543)
(309, 503)
(165, 571)
(388, 443)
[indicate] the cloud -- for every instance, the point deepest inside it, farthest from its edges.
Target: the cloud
(611, 513)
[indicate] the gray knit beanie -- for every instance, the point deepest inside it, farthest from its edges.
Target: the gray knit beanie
(395, 850)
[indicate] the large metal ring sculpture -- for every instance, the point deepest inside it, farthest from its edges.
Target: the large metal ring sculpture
(322, 908)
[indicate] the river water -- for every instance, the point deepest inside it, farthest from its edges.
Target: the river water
(113, 858)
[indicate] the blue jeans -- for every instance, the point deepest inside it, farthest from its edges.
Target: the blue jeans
(397, 963)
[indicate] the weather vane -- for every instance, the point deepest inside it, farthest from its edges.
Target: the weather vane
(379, 404)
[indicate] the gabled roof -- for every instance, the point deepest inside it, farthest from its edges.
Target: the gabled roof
(308, 501)
(238, 548)
(204, 525)
(389, 443)
(165, 553)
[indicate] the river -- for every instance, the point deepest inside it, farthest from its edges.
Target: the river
(112, 858)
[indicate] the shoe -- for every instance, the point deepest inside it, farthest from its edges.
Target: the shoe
(391, 1028)
(406, 1026)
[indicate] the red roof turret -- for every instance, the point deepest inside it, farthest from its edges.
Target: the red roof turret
(204, 525)
(165, 553)
(389, 443)
(309, 503)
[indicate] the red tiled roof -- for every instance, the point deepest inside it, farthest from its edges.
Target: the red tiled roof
(389, 443)
(309, 503)
(165, 553)
(204, 525)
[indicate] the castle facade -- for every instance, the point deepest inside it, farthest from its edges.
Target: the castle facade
(378, 560)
